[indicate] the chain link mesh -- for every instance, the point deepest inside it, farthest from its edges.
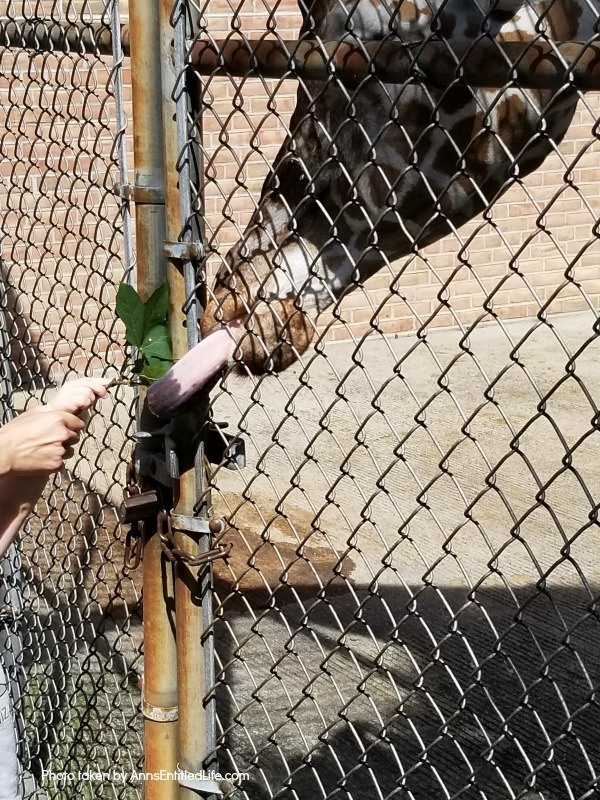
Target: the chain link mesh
(74, 617)
(410, 604)
(410, 608)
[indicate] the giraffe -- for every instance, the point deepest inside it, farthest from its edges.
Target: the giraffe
(370, 174)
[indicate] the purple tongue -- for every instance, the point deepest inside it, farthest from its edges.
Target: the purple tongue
(168, 396)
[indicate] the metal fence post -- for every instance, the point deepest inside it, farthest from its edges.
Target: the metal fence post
(11, 600)
(192, 506)
(160, 673)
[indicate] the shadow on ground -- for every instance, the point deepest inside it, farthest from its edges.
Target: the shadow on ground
(417, 693)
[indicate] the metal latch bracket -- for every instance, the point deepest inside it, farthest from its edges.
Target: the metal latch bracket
(142, 195)
(184, 251)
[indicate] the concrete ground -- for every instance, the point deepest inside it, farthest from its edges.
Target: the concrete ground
(410, 607)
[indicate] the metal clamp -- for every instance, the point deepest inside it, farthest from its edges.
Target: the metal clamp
(160, 465)
(169, 546)
(182, 522)
(159, 713)
(223, 448)
(184, 251)
(143, 195)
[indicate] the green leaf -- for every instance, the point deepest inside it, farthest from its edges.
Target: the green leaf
(154, 369)
(131, 310)
(157, 308)
(156, 344)
(147, 330)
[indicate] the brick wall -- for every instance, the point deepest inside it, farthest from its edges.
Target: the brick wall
(61, 245)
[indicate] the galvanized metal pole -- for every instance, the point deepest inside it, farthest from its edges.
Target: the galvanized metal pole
(159, 701)
(192, 502)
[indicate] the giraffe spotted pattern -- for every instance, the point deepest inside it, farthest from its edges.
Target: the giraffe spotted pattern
(368, 175)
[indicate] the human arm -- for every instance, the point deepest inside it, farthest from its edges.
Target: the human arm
(34, 445)
(18, 497)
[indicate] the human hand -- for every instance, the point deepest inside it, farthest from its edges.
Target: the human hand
(37, 444)
(79, 395)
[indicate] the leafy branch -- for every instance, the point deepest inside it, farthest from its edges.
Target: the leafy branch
(146, 329)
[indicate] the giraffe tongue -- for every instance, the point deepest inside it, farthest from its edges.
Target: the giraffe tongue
(168, 396)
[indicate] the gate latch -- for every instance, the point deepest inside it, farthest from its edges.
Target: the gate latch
(203, 786)
(131, 513)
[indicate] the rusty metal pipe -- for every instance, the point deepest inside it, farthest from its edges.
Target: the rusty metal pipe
(189, 585)
(485, 63)
(159, 699)
(68, 37)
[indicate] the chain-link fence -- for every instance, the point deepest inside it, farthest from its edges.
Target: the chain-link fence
(410, 605)
(70, 614)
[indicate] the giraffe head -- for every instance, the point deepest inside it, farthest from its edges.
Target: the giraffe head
(369, 174)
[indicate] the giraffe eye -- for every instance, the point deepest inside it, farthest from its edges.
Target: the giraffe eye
(288, 174)
(293, 169)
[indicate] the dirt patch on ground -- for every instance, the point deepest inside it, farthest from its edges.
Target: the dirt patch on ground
(277, 559)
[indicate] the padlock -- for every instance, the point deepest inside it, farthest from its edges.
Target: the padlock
(139, 506)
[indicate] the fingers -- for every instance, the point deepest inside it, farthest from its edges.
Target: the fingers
(64, 429)
(62, 436)
(96, 385)
(81, 398)
(37, 444)
(79, 395)
(71, 421)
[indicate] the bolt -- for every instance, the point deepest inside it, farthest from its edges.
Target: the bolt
(217, 525)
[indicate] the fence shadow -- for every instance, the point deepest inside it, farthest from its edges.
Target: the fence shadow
(81, 632)
(29, 365)
(497, 700)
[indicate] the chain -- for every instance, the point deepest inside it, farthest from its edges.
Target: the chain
(175, 553)
(133, 539)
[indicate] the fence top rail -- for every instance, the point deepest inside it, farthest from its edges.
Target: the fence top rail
(486, 63)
